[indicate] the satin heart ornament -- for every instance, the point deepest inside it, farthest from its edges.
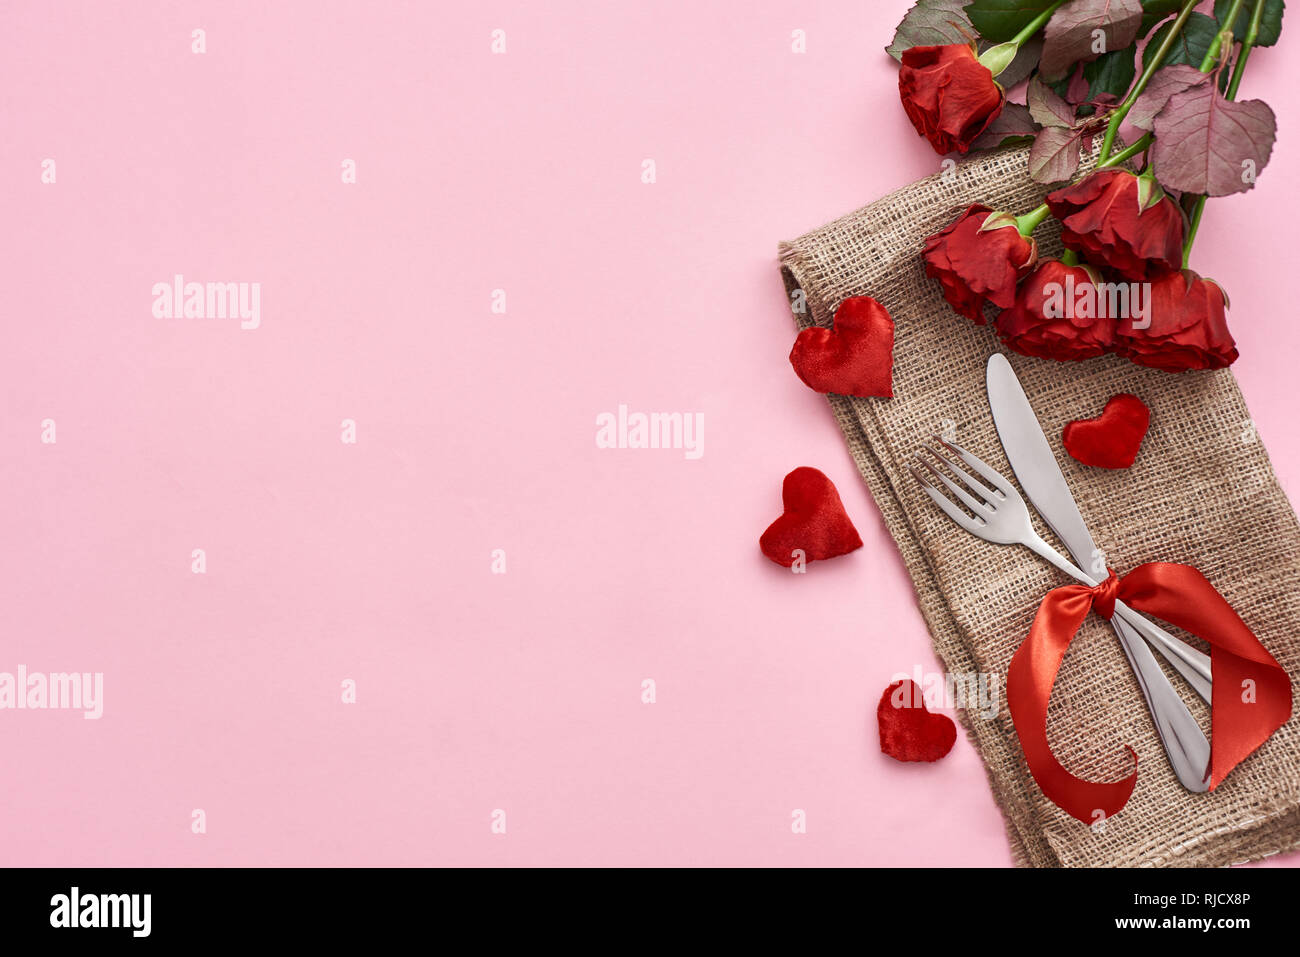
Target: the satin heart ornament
(909, 732)
(1112, 439)
(814, 525)
(855, 358)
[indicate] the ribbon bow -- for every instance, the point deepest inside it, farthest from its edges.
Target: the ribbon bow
(1251, 698)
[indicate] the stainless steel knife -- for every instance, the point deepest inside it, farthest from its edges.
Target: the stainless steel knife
(1040, 476)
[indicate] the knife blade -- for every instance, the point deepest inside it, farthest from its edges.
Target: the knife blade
(1035, 466)
(1041, 478)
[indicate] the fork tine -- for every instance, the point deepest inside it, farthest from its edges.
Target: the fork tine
(949, 509)
(970, 501)
(971, 482)
(996, 480)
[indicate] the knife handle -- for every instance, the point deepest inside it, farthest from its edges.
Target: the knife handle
(1192, 664)
(1183, 740)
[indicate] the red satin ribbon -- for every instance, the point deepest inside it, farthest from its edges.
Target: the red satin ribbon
(1251, 699)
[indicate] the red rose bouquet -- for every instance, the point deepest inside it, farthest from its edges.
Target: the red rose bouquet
(1086, 67)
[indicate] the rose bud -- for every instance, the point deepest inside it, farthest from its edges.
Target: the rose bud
(1118, 219)
(949, 96)
(1059, 313)
(1186, 326)
(979, 258)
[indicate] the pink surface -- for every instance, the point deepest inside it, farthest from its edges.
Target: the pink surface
(329, 561)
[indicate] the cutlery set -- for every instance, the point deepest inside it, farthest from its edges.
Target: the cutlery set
(988, 506)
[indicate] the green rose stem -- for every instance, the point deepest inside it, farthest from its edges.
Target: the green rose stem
(1149, 66)
(1031, 220)
(998, 58)
(1247, 44)
(1036, 24)
(1139, 145)
(1223, 36)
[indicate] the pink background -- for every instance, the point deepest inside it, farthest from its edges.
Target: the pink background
(476, 432)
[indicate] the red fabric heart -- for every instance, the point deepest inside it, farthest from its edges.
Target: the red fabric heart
(814, 521)
(1112, 439)
(854, 358)
(908, 732)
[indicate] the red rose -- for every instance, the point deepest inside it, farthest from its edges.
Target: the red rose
(1120, 220)
(1056, 315)
(949, 96)
(979, 258)
(1188, 326)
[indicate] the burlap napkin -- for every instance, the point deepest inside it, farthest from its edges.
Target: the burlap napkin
(1202, 492)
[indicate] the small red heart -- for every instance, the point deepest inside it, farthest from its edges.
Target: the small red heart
(814, 521)
(1112, 439)
(908, 732)
(854, 358)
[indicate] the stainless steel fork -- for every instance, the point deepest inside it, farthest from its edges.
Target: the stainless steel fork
(999, 515)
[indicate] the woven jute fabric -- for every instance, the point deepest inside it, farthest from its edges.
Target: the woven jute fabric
(1202, 492)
